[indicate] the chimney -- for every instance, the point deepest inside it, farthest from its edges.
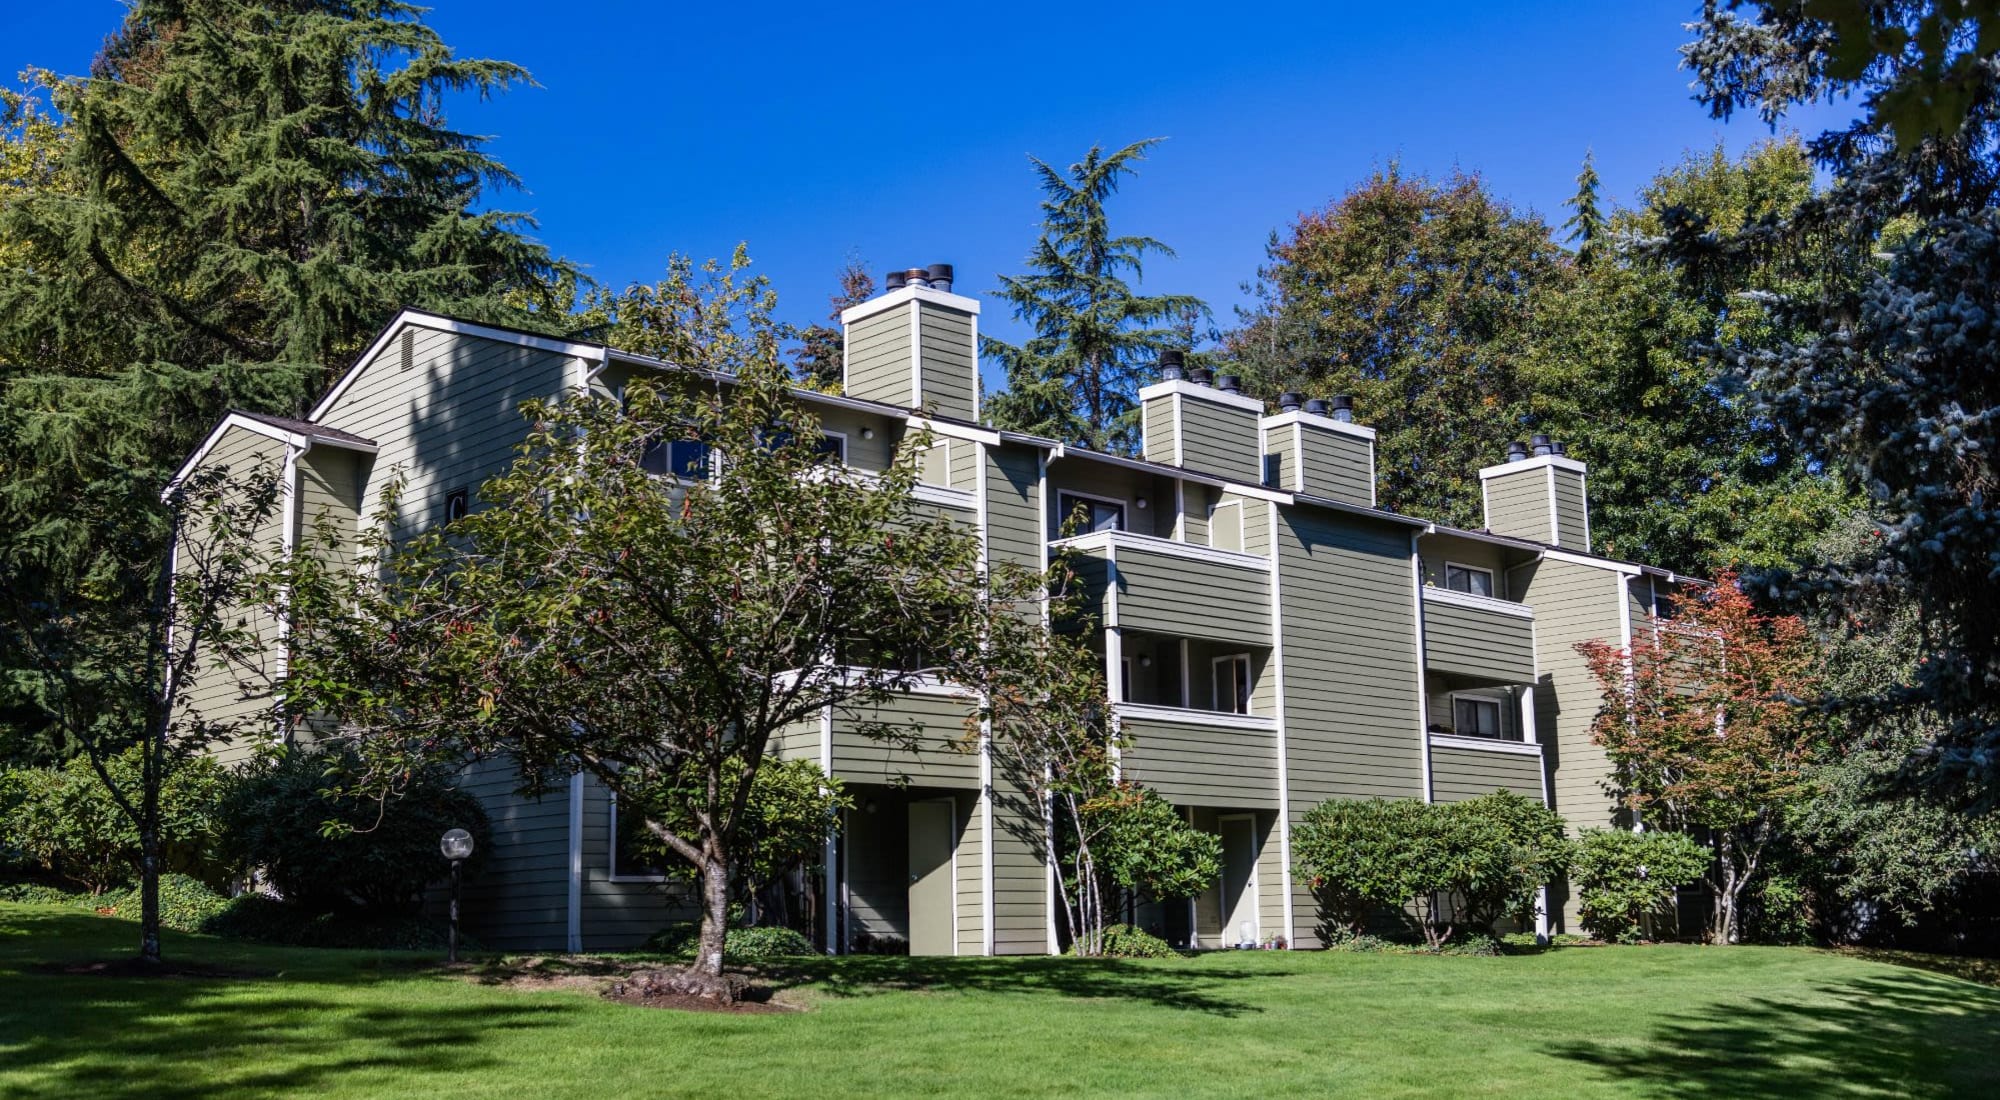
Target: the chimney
(1290, 400)
(1173, 366)
(1210, 429)
(1318, 450)
(1538, 493)
(915, 345)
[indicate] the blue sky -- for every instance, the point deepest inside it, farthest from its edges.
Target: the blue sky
(899, 131)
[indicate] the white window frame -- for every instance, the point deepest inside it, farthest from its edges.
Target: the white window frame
(1215, 682)
(1063, 513)
(611, 851)
(839, 436)
(1492, 579)
(1499, 703)
(1215, 510)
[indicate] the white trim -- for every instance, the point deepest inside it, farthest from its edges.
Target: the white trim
(1423, 669)
(1574, 558)
(1215, 684)
(1372, 479)
(985, 805)
(269, 431)
(1323, 423)
(882, 303)
(1492, 577)
(1299, 460)
(1182, 388)
(1555, 513)
(827, 433)
(1487, 744)
(1190, 716)
(1278, 720)
(917, 362)
(1180, 510)
(1125, 508)
(421, 319)
(978, 401)
(1180, 436)
(1482, 603)
(611, 850)
(836, 944)
(952, 431)
(1112, 540)
(926, 493)
(575, 929)
(1241, 488)
(1583, 488)
(1556, 462)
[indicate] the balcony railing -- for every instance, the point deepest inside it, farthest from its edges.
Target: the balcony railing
(1157, 585)
(1478, 636)
(1200, 757)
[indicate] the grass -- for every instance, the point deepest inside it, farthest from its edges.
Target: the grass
(1576, 1022)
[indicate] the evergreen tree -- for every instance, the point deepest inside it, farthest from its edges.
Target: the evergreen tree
(237, 196)
(818, 362)
(1096, 338)
(1586, 226)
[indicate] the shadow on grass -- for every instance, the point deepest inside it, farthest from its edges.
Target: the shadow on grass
(175, 1037)
(1164, 984)
(1894, 1035)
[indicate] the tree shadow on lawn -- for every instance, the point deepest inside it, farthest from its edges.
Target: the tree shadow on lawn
(1164, 983)
(1893, 1035)
(182, 1037)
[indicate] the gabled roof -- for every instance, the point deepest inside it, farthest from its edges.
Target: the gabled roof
(317, 432)
(294, 433)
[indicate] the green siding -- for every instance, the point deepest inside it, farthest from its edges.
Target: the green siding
(1473, 641)
(1573, 603)
(1157, 429)
(950, 362)
(1281, 447)
(1221, 440)
(1570, 511)
(969, 872)
(938, 722)
(1338, 465)
(1020, 877)
(873, 455)
(520, 901)
(619, 916)
(1080, 474)
(1198, 765)
(1440, 548)
(1458, 774)
(964, 464)
(878, 359)
(1164, 593)
(1013, 494)
(1517, 504)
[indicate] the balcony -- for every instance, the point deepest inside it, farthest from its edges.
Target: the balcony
(1201, 757)
(1142, 583)
(1478, 636)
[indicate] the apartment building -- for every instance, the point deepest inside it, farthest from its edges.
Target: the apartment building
(1271, 639)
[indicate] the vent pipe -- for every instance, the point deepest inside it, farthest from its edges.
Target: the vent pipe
(1343, 408)
(894, 280)
(1517, 451)
(1173, 365)
(1542, 446)
(1229, 383)
(940, 277)
(1200, 376)
(1558, 449)
(1316, 406)
(1290, 400)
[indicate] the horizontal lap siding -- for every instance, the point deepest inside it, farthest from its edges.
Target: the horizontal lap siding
(453, 420)
(969, 868)
(1518, 505)
(1156, 425)
(520, 901)
(1167, 594)
(1020, 878)
(1281, 449)
(1438, 550)
(1270, 879)
(619, 916)
(873, 455)
(330, 503)
(218, 695)
(1013, 495)
(1339, 466)
(1101, 480)
(1352, 712)
(950, 362)
(940, 722)
(965, 465)
(1194, 765)
(1218, 439)
(1573, 603)
(878, 359)
(1470, 641)
(1570, 510)
(1459, 774)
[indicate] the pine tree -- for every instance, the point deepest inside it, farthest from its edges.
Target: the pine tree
(1096, 338)
(1586, 226)
(237, 196)
(818, 361)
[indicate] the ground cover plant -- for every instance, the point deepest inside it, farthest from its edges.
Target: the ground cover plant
(1576, 1022)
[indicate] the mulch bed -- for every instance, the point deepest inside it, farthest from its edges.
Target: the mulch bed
(133, 968)
(641, 983)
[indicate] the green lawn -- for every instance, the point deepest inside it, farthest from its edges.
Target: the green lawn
(1574, 1022)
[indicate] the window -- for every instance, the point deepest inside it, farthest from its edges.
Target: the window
(1273, 464)
(1469, 579)
(1476, 716)
(1232, 683)
(1091, 514)
(456, 504)
(833, 445)
(631, 856)
(682, 458)
(1225, 525)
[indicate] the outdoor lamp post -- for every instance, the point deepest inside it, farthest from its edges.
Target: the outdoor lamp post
(456, 845)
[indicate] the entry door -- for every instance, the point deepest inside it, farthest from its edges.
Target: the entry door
(1239, 878)
(933, 824)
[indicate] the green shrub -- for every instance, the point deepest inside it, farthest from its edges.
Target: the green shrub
(1779, 910)
(261, 918)
(1353, 853)
(1122, 941)
(326, 851)
(63, 820)
(1623, 877)
(36, 893)
(742, 944)
(186, 905)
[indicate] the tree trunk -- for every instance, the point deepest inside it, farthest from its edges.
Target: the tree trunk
(706, 972)
(1732, 884)
(149, 896)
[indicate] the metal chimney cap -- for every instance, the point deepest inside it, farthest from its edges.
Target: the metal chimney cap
(1228, 383)
(1290, 400)
(939, 271)
(1317, 406)
(1173, 366)
(1517, 451)
(1200, 376)
(1343, 408)
(1541, 445)
(1557, 448)
(895, 280)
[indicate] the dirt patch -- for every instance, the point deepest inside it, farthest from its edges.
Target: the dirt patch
(627, 981)
(133, 968)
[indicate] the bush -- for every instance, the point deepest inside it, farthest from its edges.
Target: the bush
(741, 945)
(1779, 910)
(35, 893)
(186, 905)
(63, 820)
(1353, 854)
(326, 851)
(1122, 941)
(261, 918)
(1623, 877)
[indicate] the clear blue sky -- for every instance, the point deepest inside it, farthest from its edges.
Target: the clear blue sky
(899, 131)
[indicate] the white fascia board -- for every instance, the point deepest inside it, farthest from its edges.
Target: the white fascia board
(1324, 423)
(420, 319)
(1574, 558)
(1481, 603)
(885, 302)
(302, 443)
(1360, 510)
(1110, 541)
(1485, 744)
(1539, 462)
(1488, 537)
(1202, 393)
(955, 431)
